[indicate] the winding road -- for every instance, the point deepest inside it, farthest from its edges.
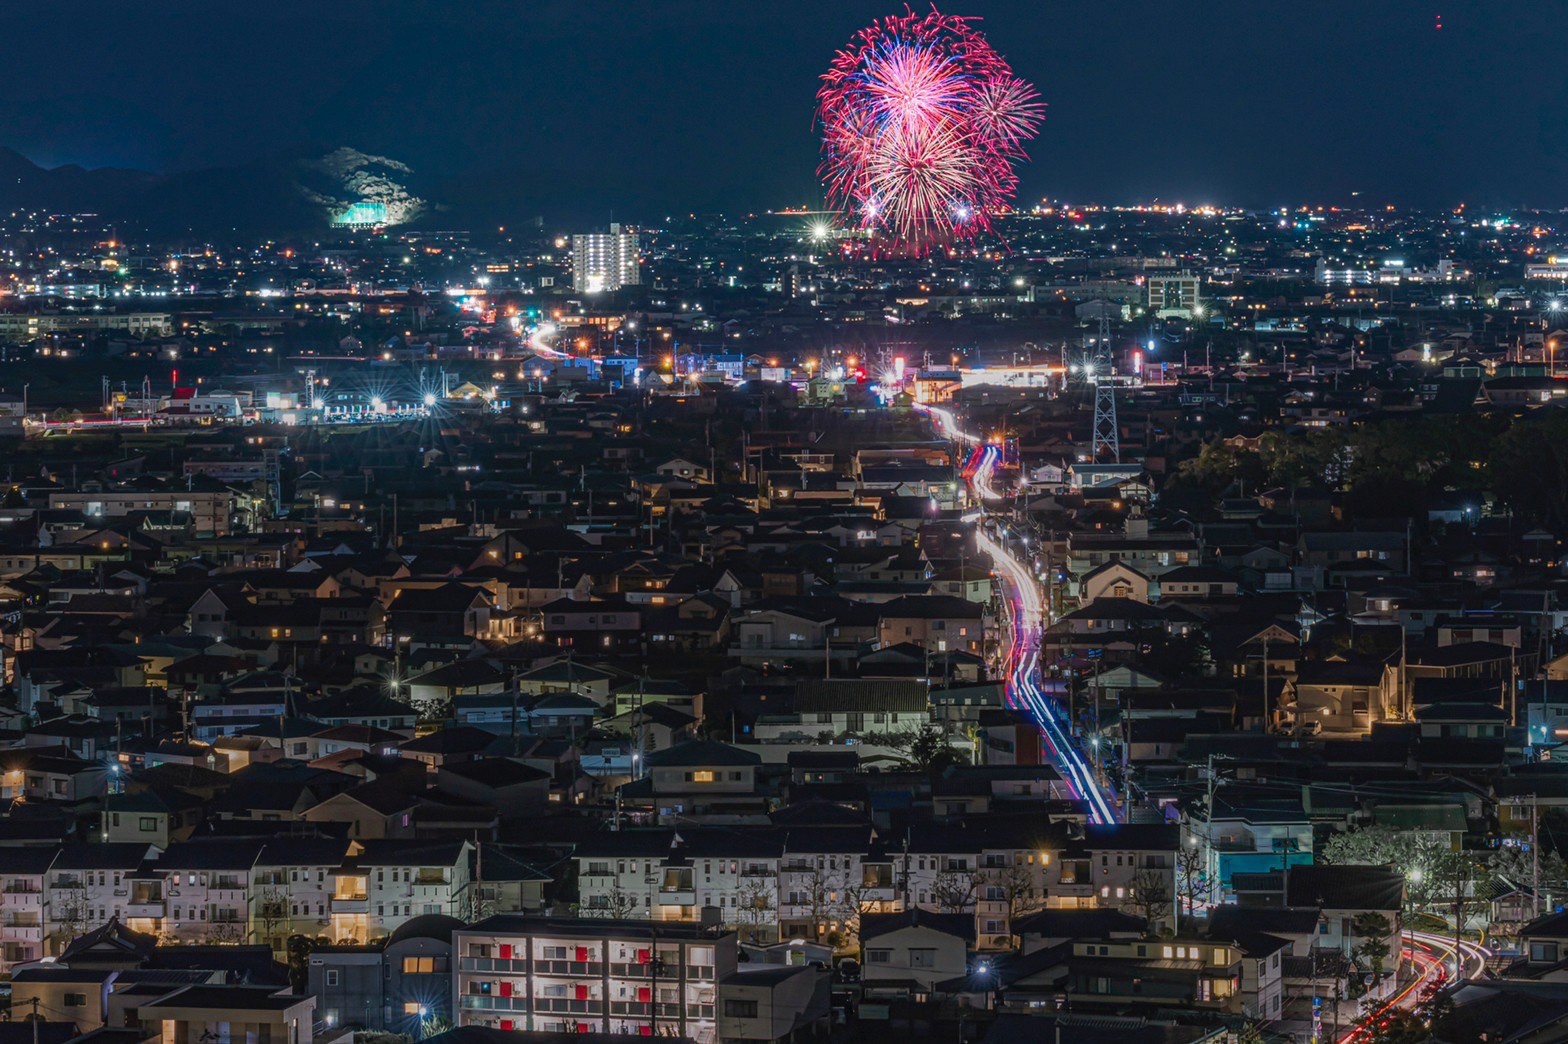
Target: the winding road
(1027, 618)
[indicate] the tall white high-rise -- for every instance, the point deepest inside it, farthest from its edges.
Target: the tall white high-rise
(604, 261)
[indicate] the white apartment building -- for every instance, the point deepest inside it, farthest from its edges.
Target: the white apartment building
(764, 884)
(604, 261)
(292, 887)
(86, 886)
(385, 883)
(1174, 295)
(206, 890)
(231, 891)
(210, 512)
(24, 874)
(591, 976)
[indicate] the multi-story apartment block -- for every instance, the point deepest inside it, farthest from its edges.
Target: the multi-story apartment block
(207, 888)
(23, 874)
(385, 883)
(591, 976)
(292, 886)
(764, 883)
(87, 885)
(210, 511)
(232, 891)
(816, 883)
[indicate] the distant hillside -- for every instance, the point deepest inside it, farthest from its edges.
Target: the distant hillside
(293, 194)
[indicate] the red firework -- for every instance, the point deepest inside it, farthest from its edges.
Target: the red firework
(922, 123)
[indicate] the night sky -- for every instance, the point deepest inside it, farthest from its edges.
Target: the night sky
(645, 108)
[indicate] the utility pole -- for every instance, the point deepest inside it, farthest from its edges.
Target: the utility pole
(1535, 857)
(1266, 682)
(653, 989)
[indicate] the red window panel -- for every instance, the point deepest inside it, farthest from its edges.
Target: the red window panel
(644, 956)
(582, 953)
(645, 1031)
(644, 994)
(506, 951)
(506, 989)
(582, 992)
(506, 1024)
(583, 1027)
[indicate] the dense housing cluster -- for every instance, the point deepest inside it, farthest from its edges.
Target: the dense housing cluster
(1156, 626)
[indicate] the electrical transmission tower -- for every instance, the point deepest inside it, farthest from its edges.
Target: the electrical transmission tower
(1106, 432)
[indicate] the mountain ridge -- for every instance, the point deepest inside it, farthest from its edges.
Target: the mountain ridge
(295, 192)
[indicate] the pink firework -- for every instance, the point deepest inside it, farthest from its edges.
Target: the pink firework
(922, 123)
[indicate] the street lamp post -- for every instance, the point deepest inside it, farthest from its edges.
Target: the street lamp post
(1415, 878)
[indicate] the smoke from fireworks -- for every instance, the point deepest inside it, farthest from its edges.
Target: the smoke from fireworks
(922, 123)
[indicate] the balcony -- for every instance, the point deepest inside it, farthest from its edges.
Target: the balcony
(491, 1002)
(569, 1006)
(486, 964)
(21, 930)
(677, 897)
(351, 904)
(569, 969)
(146, 908)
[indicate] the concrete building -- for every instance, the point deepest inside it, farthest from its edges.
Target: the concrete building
(591, 976)
(396, 986)
(1174, 295)
(604, 261)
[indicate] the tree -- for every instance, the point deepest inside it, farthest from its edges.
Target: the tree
(930, 752)
(820, 891)
(851, 908)
(616, 904)
(1418, 855)
(300, 947)
(1015, 887)
(1372, 932)
(1174, 656)
(272, 910)
(1251, 1033)
(1150, 896)
(1453, 884)
(1217, 466)
(69, 901)
(953, 891)
(1313, 459)
(1192, 879)
(755, 907)
(1527, 467)
(1512, 863)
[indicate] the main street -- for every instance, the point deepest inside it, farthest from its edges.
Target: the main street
(1027, 618)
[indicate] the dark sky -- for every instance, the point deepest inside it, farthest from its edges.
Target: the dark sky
(647, 107)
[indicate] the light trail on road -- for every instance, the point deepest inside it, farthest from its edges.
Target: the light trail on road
(1027, 618)
(1432, 954)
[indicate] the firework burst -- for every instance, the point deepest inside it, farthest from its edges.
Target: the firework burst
(922, 122)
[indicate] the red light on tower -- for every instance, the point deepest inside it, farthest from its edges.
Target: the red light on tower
(1439, 22)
